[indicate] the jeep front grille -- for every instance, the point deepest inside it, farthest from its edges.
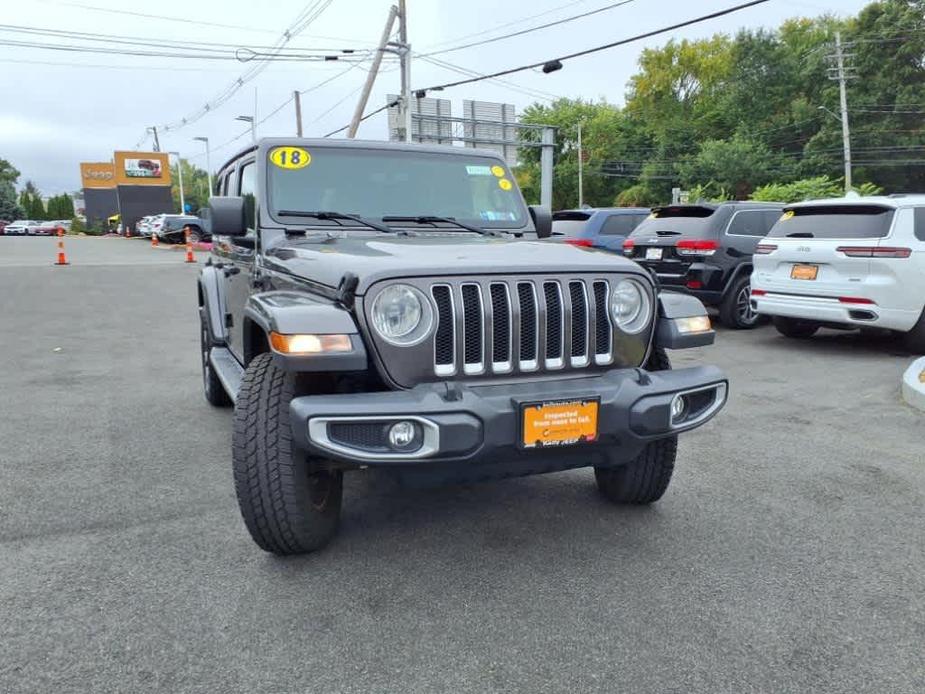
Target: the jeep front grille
(523, 325)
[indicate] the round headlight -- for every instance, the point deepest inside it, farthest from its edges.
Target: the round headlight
(629, 306)
(402, 315)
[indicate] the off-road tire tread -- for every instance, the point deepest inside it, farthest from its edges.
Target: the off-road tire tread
(645, 479)
(270, 482)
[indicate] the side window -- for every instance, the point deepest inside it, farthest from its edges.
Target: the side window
(247, 189)
(920, 223)
(225, 182)
(771, 217)
(748, 223)
(618, 225)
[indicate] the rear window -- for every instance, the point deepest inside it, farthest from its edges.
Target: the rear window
(569, 223)
(692, 221)
(834, 222)
(621, 224)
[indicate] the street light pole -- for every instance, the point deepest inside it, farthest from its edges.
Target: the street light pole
(208, 162)
(249, 119)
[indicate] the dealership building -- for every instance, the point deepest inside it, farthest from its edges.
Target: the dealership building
(132, 185)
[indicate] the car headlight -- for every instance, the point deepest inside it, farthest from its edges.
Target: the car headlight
(629, 306)
(402, 315)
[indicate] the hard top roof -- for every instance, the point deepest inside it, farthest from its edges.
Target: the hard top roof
(895, 201)
(267, 143)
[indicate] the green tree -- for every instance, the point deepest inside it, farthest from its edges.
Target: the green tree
(735, 166)
(8, 173)
(195, 186)
(10, 209)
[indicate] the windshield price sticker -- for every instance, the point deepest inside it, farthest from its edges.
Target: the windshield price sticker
(504, 184)
(290, 157)
(478, 170)
(498, 171)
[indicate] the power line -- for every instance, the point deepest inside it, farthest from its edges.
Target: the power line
(596, 49)
(507, 24)
(622, 42)
(531, 29)
(528, 91)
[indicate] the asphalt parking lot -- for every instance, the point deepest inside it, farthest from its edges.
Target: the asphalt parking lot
(787, 556)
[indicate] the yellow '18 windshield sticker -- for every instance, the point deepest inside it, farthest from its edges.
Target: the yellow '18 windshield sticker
(290, 157)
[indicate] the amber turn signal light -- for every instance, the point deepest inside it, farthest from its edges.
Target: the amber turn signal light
(694, 324)
(310, 344)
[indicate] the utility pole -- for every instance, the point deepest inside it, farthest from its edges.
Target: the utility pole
(581, 154)
(208, 161)
(405, 58)
(157, 143)
(297, 95)
(841, 74)
(548, 143)
(371, 76)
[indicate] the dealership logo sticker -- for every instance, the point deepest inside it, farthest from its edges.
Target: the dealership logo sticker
(290, 157)
(504, 184)
(498, 171)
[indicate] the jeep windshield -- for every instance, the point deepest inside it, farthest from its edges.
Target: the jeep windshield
(375, 183)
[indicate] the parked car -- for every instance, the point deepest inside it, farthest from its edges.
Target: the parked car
(847, 263)
(706, 250)
(602, 227)
(50, 228)
(426, 331)
(143, 226)
(20, 227)
(173, 225)
(3, 224)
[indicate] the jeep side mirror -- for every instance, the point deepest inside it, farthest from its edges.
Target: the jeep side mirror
(226, 215)
(542, 220)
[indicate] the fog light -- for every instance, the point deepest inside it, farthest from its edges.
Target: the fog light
(404, 435)
(678, 408)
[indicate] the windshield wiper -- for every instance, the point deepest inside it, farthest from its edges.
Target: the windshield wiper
(434, 220)
(337, 217)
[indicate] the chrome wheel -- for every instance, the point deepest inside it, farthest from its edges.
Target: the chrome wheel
(746, 313)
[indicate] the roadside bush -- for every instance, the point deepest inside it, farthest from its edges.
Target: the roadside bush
(810, 189)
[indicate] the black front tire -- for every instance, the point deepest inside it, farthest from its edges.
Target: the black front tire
(644, 479)
(211, 385)
(735, 310)
(288, 506)
(795, 328)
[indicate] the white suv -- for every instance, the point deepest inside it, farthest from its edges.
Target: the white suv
(850, 262)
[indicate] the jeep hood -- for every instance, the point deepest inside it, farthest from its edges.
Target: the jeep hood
(374, 258)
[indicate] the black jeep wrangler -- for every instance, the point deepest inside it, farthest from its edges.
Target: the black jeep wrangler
(372, 304)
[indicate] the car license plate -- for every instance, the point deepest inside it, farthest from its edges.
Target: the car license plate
(804, 272)
(559, 423)
(653, 254)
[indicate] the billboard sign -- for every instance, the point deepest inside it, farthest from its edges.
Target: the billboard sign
(142, 168)
(97, 174)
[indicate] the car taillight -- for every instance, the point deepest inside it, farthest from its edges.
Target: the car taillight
(855, 300)
(696, 247)
(583, 243)
(758, 292)
(628, 246)
(765, 248)
(874, 252)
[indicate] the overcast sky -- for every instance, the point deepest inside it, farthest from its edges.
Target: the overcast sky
(60, 108)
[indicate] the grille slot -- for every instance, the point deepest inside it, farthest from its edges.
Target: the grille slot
(444, 338)
(370, 436)
(528, 325)
(555, 325)
(501, 328)
(603, 332)
(473, 342)
(579, 351)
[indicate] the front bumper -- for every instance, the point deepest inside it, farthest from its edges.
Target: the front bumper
(479, 427)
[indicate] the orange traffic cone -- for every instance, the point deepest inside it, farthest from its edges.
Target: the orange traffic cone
(189, 246)
(153, 240)
(62, 259)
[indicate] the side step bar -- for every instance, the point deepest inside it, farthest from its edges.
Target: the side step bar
(228, 370)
